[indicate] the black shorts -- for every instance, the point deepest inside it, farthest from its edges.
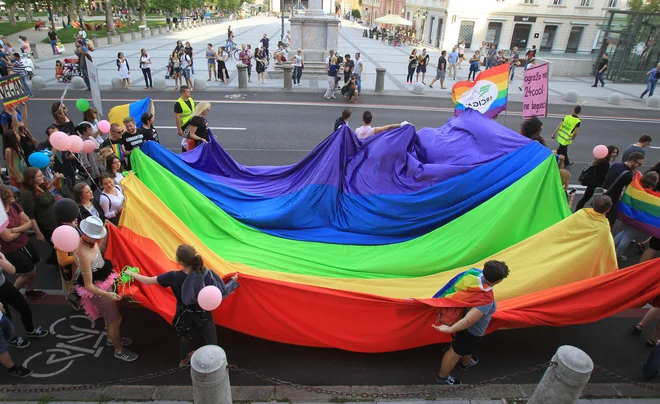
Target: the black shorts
(464, 343)
(24, 259)
(654, 244)
(421, 69)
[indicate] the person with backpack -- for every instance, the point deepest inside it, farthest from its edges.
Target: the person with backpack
(190, 319)
(594, 175)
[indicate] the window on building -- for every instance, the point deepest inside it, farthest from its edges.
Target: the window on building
(548, 37)
(493, 33)
(612, 3)
(574, 39)
(557, 2)
(585, 3)
(500, 1)
(465, 33)
(529, 1)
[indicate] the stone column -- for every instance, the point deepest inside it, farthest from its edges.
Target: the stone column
(161, 30)
(153, 31)
(288, 78)
(109, 36)
(132, 31)
(210, 377)
(35, 54)
(121, 37)
(563, 383)
(242, 75)
(380, 79)
(144, 33)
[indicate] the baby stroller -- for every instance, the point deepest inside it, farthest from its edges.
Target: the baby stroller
(170, 71)
(71, 69)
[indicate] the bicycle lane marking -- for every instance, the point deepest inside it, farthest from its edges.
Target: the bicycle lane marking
(65, 352)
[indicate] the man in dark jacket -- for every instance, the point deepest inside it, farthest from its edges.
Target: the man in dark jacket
(619, 176)
(343, 119)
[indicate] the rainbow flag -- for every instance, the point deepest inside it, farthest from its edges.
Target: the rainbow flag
(116, 148)
(134, 109)
(640, 208)
(488, 93)
(466, 287)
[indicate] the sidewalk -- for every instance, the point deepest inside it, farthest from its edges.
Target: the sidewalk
(373, 53)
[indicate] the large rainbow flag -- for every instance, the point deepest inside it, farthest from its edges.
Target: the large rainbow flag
(284, 229)
(640, 208)
(488, 93)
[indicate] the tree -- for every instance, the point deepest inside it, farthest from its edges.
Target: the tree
(648, 6)
(355, 13)
(109, 21)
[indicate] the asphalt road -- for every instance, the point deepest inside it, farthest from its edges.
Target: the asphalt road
(276, 129)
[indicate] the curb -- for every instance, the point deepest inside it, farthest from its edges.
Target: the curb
(293, 394)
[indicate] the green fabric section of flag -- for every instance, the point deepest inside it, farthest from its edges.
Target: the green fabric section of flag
(485, 230)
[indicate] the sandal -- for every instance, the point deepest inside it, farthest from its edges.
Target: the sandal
(638, 329)
(652, 342)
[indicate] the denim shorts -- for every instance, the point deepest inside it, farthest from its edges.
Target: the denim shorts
(6, 333)
(186, 73)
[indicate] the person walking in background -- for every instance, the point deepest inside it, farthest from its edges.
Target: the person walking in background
(186, 67)
(566, 132)
(124, 70)
(422, 62)
(461, 53)
(490, 59)
(244, 55)
(83, 57)
(260, 59)
(211, 58)
(514, 61)
(453, 61)
(52, 38)
(221, 58)
(348, 67)
(145, 66)
(298, 64)
(595, 174)
(654, 75)
(176, 70)
(357, 71)
(618, 177)
(412, 65)
(643, 142)
(331, 71)
(530, 57)
(183, 110)
(474, 65)
(602, 68)
(189, 51)
(441, 71)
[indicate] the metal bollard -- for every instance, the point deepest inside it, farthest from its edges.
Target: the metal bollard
(152, 31)
(109, 35)
(288, 78)
(242, 75)
(132, 31)
(564, 382)
(35, 54)
(121, 36)
(380, 79)
(210, 377)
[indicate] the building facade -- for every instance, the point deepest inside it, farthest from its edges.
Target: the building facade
(374, 9)
(554, 26)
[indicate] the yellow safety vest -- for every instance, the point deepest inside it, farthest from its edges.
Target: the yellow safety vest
(186, 113)
(565, 132)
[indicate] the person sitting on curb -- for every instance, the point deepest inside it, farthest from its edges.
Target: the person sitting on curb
(470, 329)
(366, 131)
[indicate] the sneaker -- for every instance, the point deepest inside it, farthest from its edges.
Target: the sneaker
(327, 98)
(37, 333)
(593, 85)
(20, 371)
(126, 355)
(125, 341)
(449, 380)
(473, 362)
(35, 294)
(74, 302)
(19, 342)
(621, 258)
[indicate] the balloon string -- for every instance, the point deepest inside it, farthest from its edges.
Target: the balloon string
(83, 167)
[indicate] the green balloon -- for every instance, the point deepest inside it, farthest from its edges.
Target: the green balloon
(82, 105)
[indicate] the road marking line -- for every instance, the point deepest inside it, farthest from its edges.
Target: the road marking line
(211, 127)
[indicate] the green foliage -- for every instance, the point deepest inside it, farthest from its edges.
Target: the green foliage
(21, 25)
(68, 35)
(648, 6)
(355, 13)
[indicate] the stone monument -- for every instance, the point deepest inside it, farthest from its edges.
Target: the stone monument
(314, 32)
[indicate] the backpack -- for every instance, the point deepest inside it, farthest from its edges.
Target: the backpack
(586, 177)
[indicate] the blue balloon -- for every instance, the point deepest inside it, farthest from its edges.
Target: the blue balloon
(39, 160)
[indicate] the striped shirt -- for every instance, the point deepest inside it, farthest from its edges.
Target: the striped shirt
(19, 67)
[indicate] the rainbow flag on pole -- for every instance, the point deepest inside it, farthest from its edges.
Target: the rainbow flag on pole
(640, 208)
(134, 110)
(488, 94)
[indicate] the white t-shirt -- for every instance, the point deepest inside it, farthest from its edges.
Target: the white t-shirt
(298, 61)
(364, 132)
(356, 68)
(111, 203)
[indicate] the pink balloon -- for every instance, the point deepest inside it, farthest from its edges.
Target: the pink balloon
(66, 238)
(60, 141)
(89, 146)
(601, 151)
(209, 298)
(76, 144)
(104, 126)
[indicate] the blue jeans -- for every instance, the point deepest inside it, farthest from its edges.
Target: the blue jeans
(599, 77)
(512, 69)
(27, 87)
(6, 333)
(622, 239)
(359, 83)
(53, 44)
(650, 88)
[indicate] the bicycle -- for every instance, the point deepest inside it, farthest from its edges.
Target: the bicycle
(65, 353)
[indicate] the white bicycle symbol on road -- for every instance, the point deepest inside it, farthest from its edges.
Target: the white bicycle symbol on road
(65, 353)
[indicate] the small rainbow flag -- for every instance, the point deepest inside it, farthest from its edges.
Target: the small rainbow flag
(116, 147)
(487, 94)
(640, 208)
(134, 110)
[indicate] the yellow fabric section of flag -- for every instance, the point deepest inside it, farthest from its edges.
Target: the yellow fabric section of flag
(118, 113)
(574, 249)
